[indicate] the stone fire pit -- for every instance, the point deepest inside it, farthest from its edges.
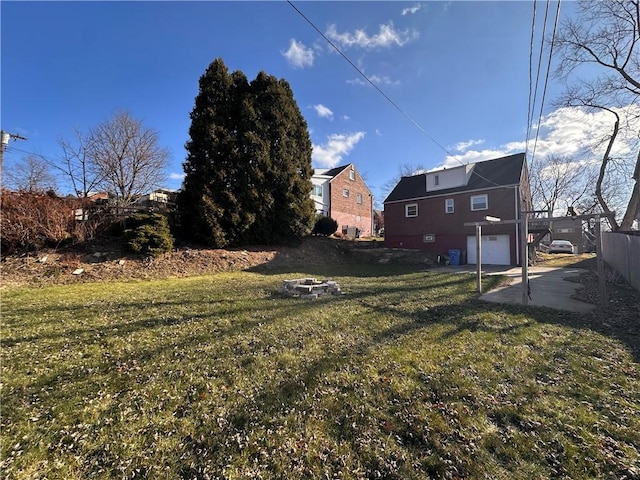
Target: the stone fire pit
(309, 288)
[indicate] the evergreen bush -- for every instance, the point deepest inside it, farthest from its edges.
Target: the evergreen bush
(148, 234)
(324, 226)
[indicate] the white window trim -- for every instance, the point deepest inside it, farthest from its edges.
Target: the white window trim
(359, 199)
(486, 202)
(345, 192)
(352, 174)
(406, 210)
(446, 205)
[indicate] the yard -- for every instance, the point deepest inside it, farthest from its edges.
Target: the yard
(404, 376)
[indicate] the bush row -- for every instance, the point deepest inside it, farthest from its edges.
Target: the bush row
(31, 221)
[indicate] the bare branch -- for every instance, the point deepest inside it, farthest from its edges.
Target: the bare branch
(128, 157)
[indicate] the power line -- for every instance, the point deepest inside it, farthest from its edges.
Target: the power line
(406, 115)
(12, 149)
(529, 106)
(367, 79)
(535, 90)
(546, 79)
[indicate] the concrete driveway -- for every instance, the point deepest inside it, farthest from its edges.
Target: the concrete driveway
(548, 287)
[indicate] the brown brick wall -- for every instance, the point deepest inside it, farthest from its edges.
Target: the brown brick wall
(345, 210)
(449, 229)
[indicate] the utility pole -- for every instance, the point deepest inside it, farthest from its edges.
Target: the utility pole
(6, 136)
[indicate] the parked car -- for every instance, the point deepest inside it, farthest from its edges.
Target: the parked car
(561, 246)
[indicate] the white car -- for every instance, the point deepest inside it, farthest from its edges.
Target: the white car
(561, 246)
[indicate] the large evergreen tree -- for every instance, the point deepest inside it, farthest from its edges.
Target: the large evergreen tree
(248, 166)
(286, 211)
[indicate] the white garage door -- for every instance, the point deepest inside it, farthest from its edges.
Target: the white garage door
(495, 250)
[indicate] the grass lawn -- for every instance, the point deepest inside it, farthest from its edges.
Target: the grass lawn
(406, 376)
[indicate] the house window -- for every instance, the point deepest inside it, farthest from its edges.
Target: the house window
(448, 205)
(436, 180)
(317, 190)
(359, 199)
(564, 230)
(352, 174)
(479, 202)
(345, 192)
(429, 238)
(411, 210)
(358, 218)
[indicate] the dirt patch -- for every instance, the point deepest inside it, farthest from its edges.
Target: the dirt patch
(107, 261)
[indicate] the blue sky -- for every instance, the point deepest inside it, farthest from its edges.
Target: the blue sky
(459, 70)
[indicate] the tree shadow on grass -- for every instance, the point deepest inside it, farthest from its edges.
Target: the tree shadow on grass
(275, 399)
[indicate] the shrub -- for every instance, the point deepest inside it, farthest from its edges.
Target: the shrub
(324, 226)
(31, 221)
(148, 234)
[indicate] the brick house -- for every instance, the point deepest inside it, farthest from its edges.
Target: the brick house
(342, 194)
(428, 211)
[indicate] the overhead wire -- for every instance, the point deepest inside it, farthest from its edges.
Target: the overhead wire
(405, 114)
(10, 148)
(546, 79)
(535, 90)
(529, 105)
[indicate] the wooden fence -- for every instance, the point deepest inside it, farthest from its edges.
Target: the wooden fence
(621, 251)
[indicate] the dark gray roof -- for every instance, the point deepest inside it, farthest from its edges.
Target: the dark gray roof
(488, 174)
(335, 171)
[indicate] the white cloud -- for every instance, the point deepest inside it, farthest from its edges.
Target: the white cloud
(462, 146)
(376, 79)
(299, 55)
(338, 145)
(473, 156)
(176, 176)
(387, 36)
(346, 117)
(411, 10)
(378, 132)
(323, 112)
(569, 132)
(573, 131)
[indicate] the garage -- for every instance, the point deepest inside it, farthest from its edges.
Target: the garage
(495, 250)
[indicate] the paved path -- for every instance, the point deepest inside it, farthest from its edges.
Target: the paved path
(547, 285)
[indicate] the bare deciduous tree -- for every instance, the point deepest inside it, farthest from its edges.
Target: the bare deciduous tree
(32, 174)
(606, 34)
(76, 165)
(120, 156)
(559, 182)
(127, 157)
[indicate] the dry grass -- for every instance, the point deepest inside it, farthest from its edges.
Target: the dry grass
(405, 376)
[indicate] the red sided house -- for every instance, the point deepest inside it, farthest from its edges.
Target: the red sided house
(428, 211)
(341, 194)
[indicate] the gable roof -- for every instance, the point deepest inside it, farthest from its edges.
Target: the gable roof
(499, 172)
(332, 172)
